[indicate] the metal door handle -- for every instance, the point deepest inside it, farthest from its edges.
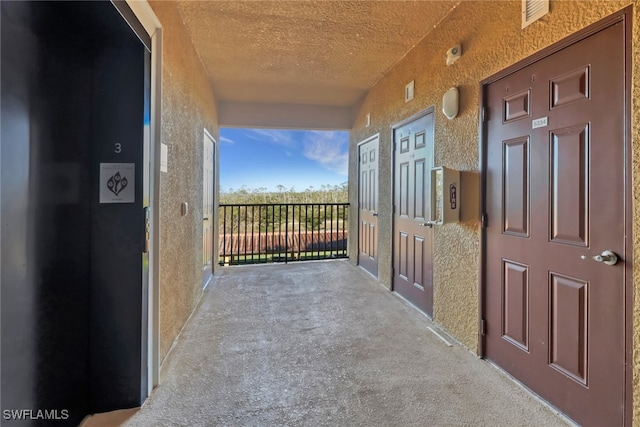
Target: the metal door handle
(607, 257)
(426, 224)
(374, 213)
(206, 218)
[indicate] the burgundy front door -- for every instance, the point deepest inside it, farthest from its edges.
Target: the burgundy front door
(555, 196)
(368, 205)
(413, 239)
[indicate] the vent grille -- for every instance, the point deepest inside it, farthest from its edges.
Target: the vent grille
(532, 10)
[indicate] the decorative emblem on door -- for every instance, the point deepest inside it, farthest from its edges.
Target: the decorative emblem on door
(116, 183)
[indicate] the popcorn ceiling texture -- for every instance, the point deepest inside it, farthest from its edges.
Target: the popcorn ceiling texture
(257, 52)
(491, 40)
(188, 107)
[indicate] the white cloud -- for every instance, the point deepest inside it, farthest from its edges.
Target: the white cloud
(224, 139)
(278, 137)
(328, 149)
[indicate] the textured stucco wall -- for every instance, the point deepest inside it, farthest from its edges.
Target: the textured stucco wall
(635, 170)
(492, 40)
(188, 107)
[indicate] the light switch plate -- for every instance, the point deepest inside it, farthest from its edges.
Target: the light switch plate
(408, 91)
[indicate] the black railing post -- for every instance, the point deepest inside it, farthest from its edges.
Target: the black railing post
(253, 224)
(224, 233)
(345, 217)
(260, 232)
(324, 244)
(244, 235)
(286, 233)
(273, 230)
(231, 236)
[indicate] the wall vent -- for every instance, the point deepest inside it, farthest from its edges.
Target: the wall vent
(532, 10)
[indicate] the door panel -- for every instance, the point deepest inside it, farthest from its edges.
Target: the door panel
(515, 309)
(568, 187)
(207, 208)
(368, 209)
(555, 198)
(413, 240)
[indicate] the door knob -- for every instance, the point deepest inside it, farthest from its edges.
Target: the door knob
(607, 257)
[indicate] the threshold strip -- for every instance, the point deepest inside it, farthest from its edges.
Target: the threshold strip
(447, 343)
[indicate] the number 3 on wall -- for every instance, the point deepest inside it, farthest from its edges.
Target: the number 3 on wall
(118, 148)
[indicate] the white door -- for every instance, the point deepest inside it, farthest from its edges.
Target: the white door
(207, 208)
(368, 204)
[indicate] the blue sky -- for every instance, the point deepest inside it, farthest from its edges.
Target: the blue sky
(293, 158)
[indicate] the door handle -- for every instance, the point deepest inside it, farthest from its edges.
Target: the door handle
(374, 213)
(606, 257)
(426, 224)
(206, 218)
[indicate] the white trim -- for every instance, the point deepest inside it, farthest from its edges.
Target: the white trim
(214, 209)
(369, 139)
(152, 25)
(145, 15)
(447, 343)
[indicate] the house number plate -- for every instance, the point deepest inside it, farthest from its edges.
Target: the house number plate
(539, 123)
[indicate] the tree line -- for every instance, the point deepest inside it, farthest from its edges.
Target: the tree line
(245, 195)
(280, 218)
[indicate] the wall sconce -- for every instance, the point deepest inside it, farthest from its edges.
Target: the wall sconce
(451, 103)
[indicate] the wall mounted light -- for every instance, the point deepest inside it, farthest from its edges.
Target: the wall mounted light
(451, 103)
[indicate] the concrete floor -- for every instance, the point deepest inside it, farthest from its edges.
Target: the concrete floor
(324, 344)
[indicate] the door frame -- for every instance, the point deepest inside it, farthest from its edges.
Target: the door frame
(394, 127)
(143, 12)
(214, 250)
(624, 16)
(361, 143)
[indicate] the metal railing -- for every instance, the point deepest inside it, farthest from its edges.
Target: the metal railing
(262, 233)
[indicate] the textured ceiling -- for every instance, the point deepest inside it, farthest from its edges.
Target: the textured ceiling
(320, 53)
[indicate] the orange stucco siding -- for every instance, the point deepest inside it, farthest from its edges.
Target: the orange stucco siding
(492, 39)
(188, 107)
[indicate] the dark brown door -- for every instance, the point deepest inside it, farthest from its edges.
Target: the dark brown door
(368, 205)
(413, 239)
(555, 198)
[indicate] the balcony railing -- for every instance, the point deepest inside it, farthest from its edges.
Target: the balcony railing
(262, 233)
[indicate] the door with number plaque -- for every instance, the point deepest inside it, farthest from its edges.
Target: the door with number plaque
(555, 239)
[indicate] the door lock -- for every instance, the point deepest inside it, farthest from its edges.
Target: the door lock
(607, 257)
